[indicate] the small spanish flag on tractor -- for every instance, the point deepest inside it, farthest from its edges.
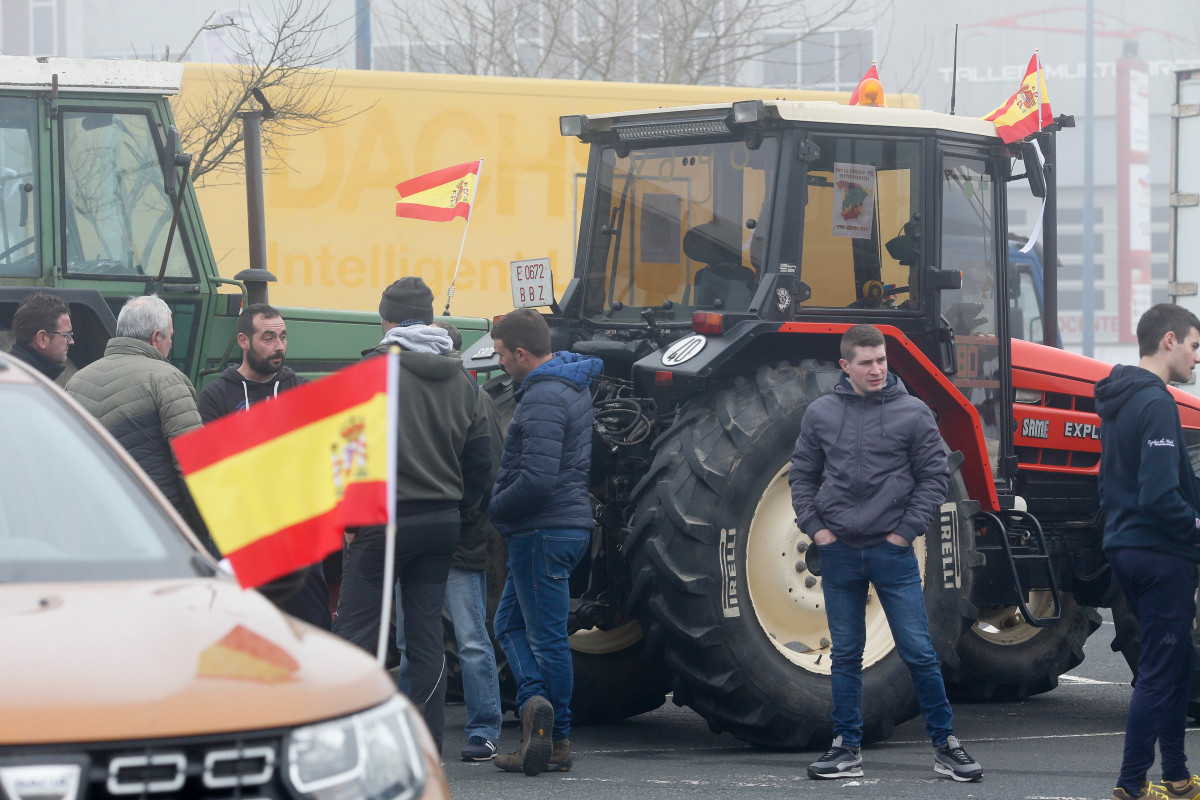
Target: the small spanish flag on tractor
(1027, 111)
(279, 483)
(439, 196)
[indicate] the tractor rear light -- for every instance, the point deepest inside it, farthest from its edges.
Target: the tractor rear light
(497, 318)
(663, 378)
(708, 322)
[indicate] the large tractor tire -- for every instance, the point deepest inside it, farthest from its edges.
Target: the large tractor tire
(613, 677)
(1002, 657)
(727, 587)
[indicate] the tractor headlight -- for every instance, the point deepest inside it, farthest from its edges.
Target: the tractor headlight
(373, 755)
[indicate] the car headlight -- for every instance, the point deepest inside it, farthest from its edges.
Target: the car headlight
(374, 755)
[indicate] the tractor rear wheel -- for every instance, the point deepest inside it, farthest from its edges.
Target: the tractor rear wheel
(727, 587)
(1002, 657)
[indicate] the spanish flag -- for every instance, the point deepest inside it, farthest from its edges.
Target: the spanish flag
(439, 196)
(1027, 111)
(278, 483)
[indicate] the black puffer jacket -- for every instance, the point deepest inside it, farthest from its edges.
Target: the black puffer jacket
(867, 466)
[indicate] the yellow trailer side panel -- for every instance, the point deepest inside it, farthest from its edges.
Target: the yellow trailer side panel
(333, 239)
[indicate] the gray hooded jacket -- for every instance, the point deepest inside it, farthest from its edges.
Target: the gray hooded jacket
(867, 466)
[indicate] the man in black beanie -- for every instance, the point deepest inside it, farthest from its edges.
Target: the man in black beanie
(407, 301)
(444, 464)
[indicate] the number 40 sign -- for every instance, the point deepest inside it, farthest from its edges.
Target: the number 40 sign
(532, 283)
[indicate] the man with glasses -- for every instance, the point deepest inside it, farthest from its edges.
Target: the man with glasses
(42, 328)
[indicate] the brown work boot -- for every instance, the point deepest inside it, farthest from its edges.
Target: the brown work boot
(534, 754)
(560, 756)
(511, 762)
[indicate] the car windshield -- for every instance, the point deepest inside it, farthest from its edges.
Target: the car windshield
(679, 228)
(69, 508)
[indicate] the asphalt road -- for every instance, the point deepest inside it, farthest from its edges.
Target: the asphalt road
(1062, 745)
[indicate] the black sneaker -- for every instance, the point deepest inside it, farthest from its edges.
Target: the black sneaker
(838, 762)
(478, 749)
(952, 759)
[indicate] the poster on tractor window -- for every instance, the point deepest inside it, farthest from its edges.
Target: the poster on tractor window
(853, 200)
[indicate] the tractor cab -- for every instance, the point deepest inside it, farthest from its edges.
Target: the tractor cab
(729, 220)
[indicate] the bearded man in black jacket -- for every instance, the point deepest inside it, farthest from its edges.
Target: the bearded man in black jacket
(262, 375)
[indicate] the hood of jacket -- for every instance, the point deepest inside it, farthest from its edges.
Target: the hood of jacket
(285, 378)
(431, 366)
(568, 367)
(893, 387)
(1122, 385)
(126, 346)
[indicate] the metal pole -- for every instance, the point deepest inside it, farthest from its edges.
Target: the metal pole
(1050, 238)
(362, 37)
(256, 215)
(1089, 213)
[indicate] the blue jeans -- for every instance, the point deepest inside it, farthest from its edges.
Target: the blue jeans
(1161, 591)
(893, 570)
(531, 620)
(466, 603)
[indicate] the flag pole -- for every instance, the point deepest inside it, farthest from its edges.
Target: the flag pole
(389, 550)
(462, 246)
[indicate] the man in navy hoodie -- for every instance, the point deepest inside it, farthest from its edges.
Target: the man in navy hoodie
(1151, 501)
(540, 503)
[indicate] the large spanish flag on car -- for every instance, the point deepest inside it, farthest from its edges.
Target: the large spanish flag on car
(1027, 111)
(439, 196)
(277, 484)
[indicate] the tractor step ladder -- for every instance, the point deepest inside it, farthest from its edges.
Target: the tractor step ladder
(1035, 541)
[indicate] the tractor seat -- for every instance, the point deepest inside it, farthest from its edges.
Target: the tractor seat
(723, 276)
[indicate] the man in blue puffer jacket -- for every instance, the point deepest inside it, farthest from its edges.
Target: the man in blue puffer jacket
(540, 504)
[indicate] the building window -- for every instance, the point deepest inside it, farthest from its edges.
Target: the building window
(43, 27)
(827, 60)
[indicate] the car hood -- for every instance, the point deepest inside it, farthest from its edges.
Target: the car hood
(139, 659)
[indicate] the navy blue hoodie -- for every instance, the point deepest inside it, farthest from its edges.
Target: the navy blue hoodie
(1150, 495)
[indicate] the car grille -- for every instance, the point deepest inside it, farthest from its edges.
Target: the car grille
(245, 767)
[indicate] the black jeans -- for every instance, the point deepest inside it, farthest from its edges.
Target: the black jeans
(1161, 590)
(424, 544)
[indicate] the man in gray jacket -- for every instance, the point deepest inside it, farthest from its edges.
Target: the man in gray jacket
(868, 475)
(139, 396)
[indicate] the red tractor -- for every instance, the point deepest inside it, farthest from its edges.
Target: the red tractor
(723, 250)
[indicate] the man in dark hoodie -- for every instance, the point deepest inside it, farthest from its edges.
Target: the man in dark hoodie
(1151, 501)
(262, 375)
(540, 503)
(444, 462)
(865, 483)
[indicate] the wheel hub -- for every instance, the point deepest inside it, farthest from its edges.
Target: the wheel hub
(783, 577)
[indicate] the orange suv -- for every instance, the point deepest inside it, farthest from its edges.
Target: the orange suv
(132, 668)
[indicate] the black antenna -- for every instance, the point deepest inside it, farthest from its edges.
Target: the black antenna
(954, 72)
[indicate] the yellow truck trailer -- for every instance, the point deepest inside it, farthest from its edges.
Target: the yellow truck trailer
(333, 240)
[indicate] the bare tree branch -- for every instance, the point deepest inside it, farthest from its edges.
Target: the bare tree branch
(282, 59)
(653, 41)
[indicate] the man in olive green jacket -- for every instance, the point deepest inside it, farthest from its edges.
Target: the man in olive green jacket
(140, 397)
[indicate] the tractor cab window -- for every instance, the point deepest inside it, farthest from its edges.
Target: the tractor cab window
(116, 214)
(679, 228)
(861, 245)
(969, 245)
(18, 189)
